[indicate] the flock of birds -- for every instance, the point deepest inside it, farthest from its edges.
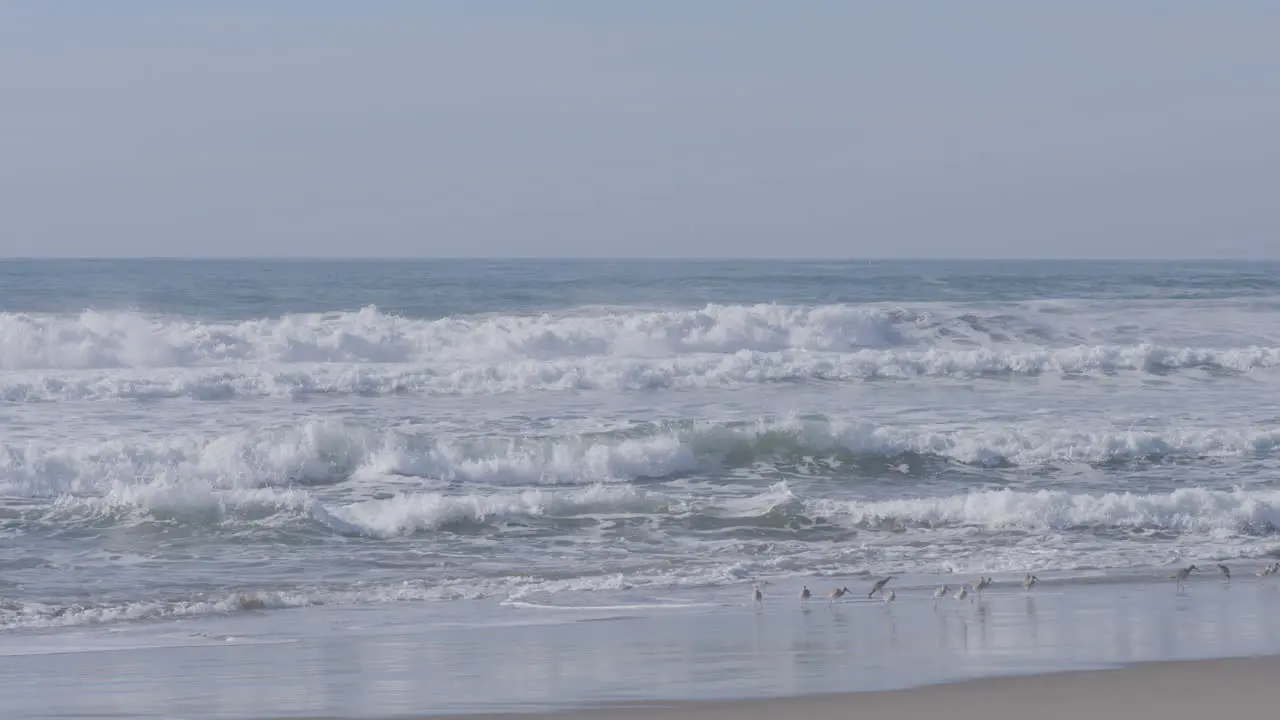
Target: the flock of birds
(1180, 576)
(975, 588)
(962, 590)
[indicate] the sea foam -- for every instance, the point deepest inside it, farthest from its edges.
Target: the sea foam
(125, 355)
(326, 452)
(619, 374)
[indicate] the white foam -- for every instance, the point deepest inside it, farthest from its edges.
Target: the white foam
(1188, 510)
(573, 459)
(134, 340)
(327, 452)
(131, 340)
(410, 513)
(620, 373)
(557, 504)
(507, 589)
(1066, 531)
(124, 355)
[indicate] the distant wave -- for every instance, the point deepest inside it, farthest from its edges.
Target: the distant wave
(743, 367)
(133, 340)
(122, 355)
(120, 340)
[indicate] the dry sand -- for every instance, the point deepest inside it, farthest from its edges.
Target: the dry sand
(1187, 690)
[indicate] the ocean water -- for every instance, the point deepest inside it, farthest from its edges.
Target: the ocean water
(186, 440)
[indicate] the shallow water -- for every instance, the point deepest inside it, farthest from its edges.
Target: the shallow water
(390, 660)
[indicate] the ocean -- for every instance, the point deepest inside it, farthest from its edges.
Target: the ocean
(190, 441)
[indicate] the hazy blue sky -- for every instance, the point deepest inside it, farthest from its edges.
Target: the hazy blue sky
(589, 128)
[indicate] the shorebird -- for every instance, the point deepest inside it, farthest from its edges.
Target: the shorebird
(888, 598)
(939, 594)
(759, 596)
(837, 593)
(1269, 570)
(1029, 581)
(1182, 575)
(805, 595)
(1226, 571)
(963, 592)
(879, 586)
(982, 584)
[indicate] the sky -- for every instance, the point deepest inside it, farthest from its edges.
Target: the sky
(578, 128)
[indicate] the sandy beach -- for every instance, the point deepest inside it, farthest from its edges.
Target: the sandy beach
(1186, 690)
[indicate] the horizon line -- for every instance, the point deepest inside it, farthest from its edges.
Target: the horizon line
(592, 258)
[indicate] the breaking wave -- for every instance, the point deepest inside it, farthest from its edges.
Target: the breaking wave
(95, 355)
(1188, 512)
(1183, 510)
(330, 452)
(133, 340)
(622, 374)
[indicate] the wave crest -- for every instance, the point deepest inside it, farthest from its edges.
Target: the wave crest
(623, 374)
(1187, 510)
(133, 340)
(331, 452)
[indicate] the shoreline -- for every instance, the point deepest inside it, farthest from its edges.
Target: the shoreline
(635, 657)
(1169, 689)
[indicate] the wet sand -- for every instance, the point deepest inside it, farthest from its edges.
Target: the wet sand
(1180, 690)
(705, 653)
